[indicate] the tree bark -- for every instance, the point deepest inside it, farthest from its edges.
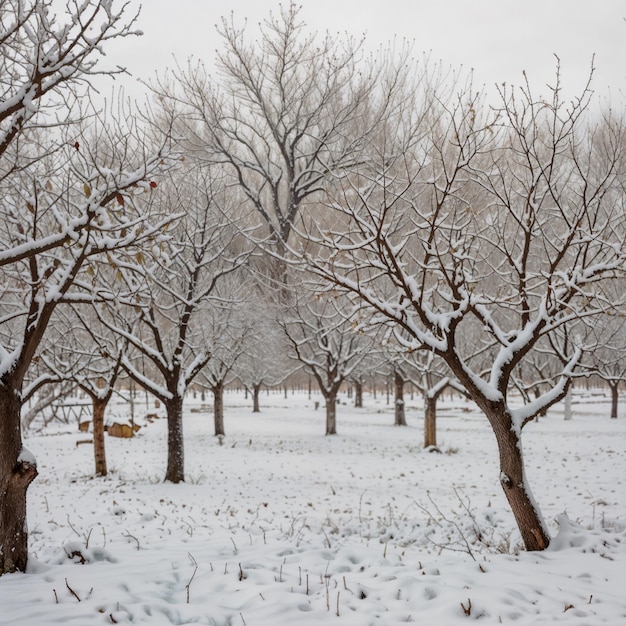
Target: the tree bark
(398, 381)
(331, 413)
(358, 394)
(175, 472)
(218, 408)
(15, 477)
(614, 398)
(256, 390)
(513, 481)
(99, 453)
(430, 421)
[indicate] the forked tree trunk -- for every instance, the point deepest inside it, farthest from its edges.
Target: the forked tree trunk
(430, 421)
(513, 480)
(99, 453)
(256, 390)
(15, 476)
(331, 413)
(399, 413)
(218, 408)
(175, 472)
(614, 398)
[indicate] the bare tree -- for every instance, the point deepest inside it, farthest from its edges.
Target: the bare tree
(608, 359)
(263, 362)
(285, 111)
(162, 314)
(429, 375)
(323, 340)
(229, 327)
(64, 201)
(496, 225)
(84, 352)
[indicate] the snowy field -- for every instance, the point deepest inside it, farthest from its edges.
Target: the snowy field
(281, 525)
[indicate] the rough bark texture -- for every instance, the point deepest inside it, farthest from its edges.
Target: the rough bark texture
(99, 453)
(331, 413)
(398, 382)
(513, 481)
(218, 409)
(175, 472)
(430, 422)
(15, 477)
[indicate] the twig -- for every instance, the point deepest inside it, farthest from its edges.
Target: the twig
(467, 609)
(326, 585)
(127, 534)
(327, 539)
(72, 527)
(360, 504)
(467, 549)
(195, 569)
(71, 590)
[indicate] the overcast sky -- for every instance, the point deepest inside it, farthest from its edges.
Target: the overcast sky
(497, 38)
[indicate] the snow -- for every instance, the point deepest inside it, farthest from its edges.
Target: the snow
(26, 456)
(281, 525)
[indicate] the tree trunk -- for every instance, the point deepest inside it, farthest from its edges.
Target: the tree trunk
(398, 381)
(568, 404)
(358, 394)
(513, 480)
(99, 408)
(218, 408)
(256, 390)
(614, 398)
(15, 476)
(331, 413)
(175, 472)
(430, 421)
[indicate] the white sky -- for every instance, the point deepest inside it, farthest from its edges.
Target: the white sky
(497, 38)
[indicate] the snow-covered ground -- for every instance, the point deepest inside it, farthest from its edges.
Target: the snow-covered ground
(281, 525)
